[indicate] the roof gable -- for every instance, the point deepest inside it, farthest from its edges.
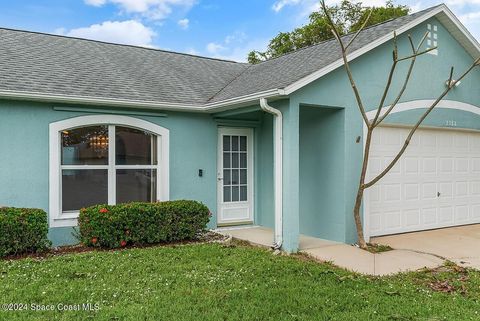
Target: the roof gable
(292, 71)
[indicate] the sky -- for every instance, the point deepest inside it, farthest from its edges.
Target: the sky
(226, 29)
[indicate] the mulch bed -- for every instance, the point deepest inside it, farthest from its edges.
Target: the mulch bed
(206, 237)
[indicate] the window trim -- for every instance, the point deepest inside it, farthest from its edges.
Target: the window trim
(59, 219)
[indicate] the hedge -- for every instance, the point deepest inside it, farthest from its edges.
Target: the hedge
(23, 230)
(112, 226)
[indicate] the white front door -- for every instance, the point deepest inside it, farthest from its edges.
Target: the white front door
(235, 176)
(435, 184)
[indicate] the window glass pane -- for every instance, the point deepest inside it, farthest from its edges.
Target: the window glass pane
(234, 176)
(243, 160)
(136, 185)
(227, 180)
(243, 176)
(243, 193)
(235, 160)
(243, 143)
(226, 143)
(235, 192)
(85, 146)
(135, 147)
(226, 160)
(227, 194)
(234, 143)
(82, 188)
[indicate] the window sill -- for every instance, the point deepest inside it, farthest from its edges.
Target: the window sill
(69, 219)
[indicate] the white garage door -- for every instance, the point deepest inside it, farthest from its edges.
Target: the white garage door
(435, 184)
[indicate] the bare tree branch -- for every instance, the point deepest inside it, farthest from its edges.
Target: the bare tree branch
(422, 118)
(359, 30)
(389, 79)
(346, 64)
(416, 53)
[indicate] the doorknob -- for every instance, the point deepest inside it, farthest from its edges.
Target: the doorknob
(438, 194)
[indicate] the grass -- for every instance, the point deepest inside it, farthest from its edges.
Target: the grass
(378, 248)
(215, 282)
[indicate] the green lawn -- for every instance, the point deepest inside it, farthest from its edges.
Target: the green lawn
(215, 282)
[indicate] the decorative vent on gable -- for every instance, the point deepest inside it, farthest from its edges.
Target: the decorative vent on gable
(432, 38)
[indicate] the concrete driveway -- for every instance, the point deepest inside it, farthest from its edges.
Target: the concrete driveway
(458, 244)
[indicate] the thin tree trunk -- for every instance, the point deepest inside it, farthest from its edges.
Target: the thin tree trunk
(361, 190)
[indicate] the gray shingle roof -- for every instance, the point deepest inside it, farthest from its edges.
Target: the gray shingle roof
(43, 63)
(49, 64)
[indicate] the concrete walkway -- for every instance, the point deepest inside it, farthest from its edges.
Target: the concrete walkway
(344, 255)
(458, 244)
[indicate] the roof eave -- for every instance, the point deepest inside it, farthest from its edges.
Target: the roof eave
(166, 106)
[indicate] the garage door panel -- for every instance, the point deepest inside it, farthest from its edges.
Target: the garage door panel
(474, 144)
(461, 142)
(476, 213)
(445, 216)
(411, 165)
(429, 216)
(446, 190)
(435, 184)
(461, 165)
(412, 191)
(476, 165)
(461, 189)
(411, 218)
(461, 214)
(475, 188)
(429, 165)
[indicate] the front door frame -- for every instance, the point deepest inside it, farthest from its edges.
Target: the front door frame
(249, 205)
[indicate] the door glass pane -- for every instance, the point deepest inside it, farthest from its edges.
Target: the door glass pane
(243, 176)
(136, 185)
(83, 188)
(226, 160)
(227, 179)
(234, 143)
(235, 162)
(243, 160)
(85, 146)
(243, 143)
(235, 193)
(135, 147)
(235, 179)
(226, 143)
(227, 194)
(243, 193)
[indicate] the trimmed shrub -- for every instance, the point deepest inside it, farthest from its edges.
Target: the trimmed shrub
(23, 230)
(112, 226)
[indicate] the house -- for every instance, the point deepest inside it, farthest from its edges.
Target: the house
(276, 144)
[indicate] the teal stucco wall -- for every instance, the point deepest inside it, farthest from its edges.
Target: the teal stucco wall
(24, 157)
(321, 172)
(371, 71)
(265, 215)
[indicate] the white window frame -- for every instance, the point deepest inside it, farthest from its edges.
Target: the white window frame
(68, 219)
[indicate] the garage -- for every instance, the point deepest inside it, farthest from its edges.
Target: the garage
(435, 184)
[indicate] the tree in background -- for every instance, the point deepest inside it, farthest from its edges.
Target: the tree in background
(349, 16)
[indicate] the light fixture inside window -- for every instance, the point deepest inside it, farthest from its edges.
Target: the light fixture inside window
(98, 142)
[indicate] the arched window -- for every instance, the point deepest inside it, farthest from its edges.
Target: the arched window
(105, 160)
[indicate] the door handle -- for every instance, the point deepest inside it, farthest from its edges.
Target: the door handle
(220, 178)
(438, 194)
